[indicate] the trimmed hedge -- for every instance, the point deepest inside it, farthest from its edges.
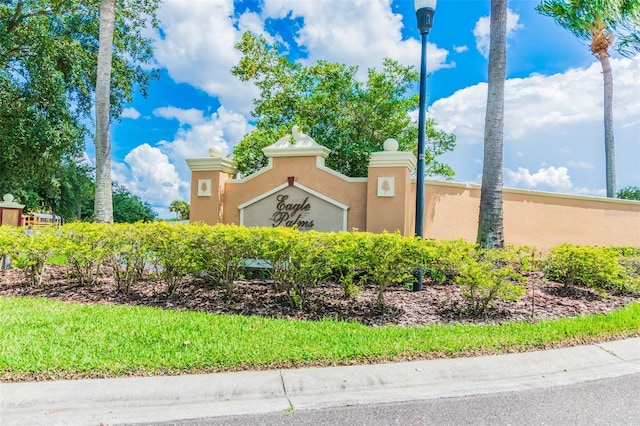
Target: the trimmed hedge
(296, 261)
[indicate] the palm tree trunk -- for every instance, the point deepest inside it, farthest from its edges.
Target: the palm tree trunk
(490, 222)
(103, 207)
(609, 147)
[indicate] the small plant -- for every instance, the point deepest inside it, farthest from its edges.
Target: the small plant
(489, 276)
(127, 255)
(595, 267)
(33, 250)
(85, 247)
(299, 261)
(171, 252)
(392, 260)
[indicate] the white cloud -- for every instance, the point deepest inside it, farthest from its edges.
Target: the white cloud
(148, 173)
(130, 113)
(482, 31)
(460, 49)
(160, 174)
(557, 179)
(548, 118)
(190, 116)
(197, 47)
(349, 32)
(197, 43)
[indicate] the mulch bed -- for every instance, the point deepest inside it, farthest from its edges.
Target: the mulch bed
(436, 304)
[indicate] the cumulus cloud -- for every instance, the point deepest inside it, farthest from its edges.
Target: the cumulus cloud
(159, 174)
(482, 31)
(548, 117)
(349, 32)
(198, 132)
(189, 116)
(196, 46)
(131, 113)
(553, 178)
(148, 173)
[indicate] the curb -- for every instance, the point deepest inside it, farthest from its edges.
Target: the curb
(158, 399)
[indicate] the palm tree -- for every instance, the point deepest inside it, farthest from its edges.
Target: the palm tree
(103, 207)
(490, 223)
(180, 208)
(599, 21)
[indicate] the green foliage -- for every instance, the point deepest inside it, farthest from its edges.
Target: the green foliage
(596, 267)
(222, 251)
(441, 260)
(583, 18)
(490, 275)
(32, 250)
(48, 59)
(126, 254)
(327, 101)
(129, 208)
(180, 208)
(392, 260)
(86, 248)
(629, 193)
(170, 252)
(299, 261)
(347, 252)
(10, 238)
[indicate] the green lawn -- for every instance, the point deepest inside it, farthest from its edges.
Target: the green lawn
(45, 338)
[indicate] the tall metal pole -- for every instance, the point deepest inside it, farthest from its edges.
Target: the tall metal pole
(425, 18)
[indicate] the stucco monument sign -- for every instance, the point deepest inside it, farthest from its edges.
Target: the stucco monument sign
(296, 189)
(294, 205)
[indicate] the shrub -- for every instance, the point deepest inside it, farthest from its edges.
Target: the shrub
(490, 275)
(442, 260)
(595, 267)
(32, 251)
(222, 251)
(127, 253)
(85, 247)
(299, 261)
(347, 253)
(391, 260)
(9, 237)
(171, 251)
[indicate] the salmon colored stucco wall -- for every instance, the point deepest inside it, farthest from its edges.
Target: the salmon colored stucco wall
(351, 192)
(533, 218)
(451, 209)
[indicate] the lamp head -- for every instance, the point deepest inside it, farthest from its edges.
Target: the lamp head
(424, 12)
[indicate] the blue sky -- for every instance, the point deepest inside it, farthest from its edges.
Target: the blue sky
(553, 98)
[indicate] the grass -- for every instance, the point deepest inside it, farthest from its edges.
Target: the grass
(50, 339)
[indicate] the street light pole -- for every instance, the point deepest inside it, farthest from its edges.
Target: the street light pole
(425, 9)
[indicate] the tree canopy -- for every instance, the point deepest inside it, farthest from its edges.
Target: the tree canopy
(180, 208)
(327, 102)
(48, 57)
(629, 193)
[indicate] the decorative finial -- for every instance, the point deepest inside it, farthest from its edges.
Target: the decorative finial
(390, 145)
(215, 152)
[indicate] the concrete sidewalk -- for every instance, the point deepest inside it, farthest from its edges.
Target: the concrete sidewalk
(157, 399)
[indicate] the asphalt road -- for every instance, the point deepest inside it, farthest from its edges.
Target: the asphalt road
(602, 402)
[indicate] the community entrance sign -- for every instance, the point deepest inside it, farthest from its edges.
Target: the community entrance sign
(294, 205)
(296, 189)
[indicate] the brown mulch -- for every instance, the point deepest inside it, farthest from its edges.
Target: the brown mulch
(436, 304)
